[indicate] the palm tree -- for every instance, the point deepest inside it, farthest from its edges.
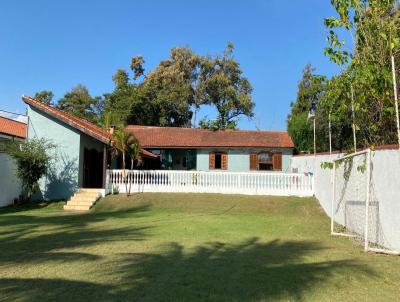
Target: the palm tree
(133, 151)
(122, 140)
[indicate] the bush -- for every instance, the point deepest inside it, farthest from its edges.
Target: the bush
(33, 161)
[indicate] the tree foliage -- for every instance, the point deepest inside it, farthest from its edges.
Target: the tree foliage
(45, 97)
(172, 93)
(163, 98)
(374, 27)
(80, 103)
(222, 84)
(171, 87)
(310, 92)
(125, 144)
(169, 95)
(33, 160)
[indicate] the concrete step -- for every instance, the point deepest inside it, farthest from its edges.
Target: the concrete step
(84, 198)
(80, 203)
(85, 190)
(76, 208)
(88, 194)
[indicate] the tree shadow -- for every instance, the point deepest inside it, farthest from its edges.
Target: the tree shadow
(249, 271)
(25, 241)
(44, 248)
(61, 179)
(21, 215)
(39, 289)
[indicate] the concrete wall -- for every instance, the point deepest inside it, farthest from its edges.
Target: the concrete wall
(238, 159)
(62, 180)
(10, 187)
(385, 189)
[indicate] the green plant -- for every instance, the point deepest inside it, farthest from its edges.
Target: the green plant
(133, 150)
(33, 161)
(121, 139)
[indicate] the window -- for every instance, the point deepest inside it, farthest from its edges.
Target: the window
(266, 161)
(184, 161)
(218, 160)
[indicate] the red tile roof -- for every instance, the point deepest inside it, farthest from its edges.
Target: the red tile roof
(77, 123)
(174, 137)
(12, 128)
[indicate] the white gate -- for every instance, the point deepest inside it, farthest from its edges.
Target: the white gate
(248, 183)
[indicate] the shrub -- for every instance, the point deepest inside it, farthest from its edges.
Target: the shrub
(33, 161)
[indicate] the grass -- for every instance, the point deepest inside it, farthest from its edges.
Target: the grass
(186, 247)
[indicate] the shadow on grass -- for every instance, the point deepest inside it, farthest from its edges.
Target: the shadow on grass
(41, 238)
(249, 271)
(16, 216)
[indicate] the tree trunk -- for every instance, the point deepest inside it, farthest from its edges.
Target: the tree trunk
(130, 183)
(124, 172)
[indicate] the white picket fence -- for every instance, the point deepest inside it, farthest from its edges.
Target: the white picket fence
(248, 183)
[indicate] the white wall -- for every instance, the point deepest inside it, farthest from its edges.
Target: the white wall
(385, 182)
(10, 187)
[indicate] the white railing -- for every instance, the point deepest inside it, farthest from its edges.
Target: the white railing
(249, 183)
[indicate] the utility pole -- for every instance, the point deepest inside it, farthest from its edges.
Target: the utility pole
(353, 118)
(315, 144)
(311, 114)
(396, 100)
(330, 134)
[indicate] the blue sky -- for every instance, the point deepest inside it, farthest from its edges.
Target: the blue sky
(55, 45)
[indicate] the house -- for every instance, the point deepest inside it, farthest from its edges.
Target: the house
(82, 150)
(10, 187)
(205, 150)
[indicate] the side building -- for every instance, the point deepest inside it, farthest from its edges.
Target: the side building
(10, 186)
(227, 150)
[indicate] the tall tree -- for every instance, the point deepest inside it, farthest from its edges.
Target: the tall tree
(222, 84)
(171, 87)
(80, 103)
(163, 98)
(374, 27)
(178, 87)
(128, 103)
(45, 97)
(310, 90)
(137, 63)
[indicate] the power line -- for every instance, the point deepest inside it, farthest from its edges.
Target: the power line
(14, 113)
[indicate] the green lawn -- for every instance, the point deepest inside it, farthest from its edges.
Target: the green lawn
(187, 247)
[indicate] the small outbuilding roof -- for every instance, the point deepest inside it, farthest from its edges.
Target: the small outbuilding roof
(12, 128)
(77, 123)
(175, 137)
(80, 124)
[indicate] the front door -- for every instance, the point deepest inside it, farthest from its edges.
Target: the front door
(92, 168)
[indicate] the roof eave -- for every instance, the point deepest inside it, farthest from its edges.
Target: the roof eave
(208, 147)
(104, 140)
